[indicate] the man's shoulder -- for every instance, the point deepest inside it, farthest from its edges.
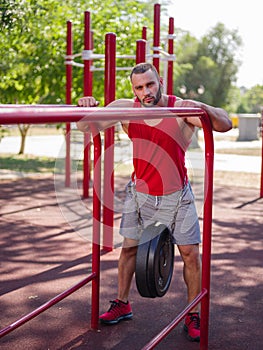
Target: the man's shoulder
(122, 102)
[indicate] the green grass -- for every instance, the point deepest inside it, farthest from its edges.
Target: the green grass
(27, 163)
(31, 164)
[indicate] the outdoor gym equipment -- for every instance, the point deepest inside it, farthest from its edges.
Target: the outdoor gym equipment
(54, 114)
(88, 56)
(164, 54)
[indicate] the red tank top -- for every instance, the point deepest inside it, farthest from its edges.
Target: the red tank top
(158, 155)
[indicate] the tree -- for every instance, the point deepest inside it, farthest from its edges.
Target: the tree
(210, 63)
(33, 45)
(251, 100)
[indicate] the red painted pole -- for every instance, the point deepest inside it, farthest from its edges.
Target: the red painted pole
(165, 332)
(261, 185)
(87, 89)
(170, 62)
(156, 37)
(140, 51)
(144, 33)
(96, 232)
(68, 99)
(87, 86)
(207, 229)
(45, 306)
(108, 188)
(53, 114)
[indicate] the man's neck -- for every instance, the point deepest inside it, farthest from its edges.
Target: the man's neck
(163, 102)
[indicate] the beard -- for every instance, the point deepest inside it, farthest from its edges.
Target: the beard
(154, 102)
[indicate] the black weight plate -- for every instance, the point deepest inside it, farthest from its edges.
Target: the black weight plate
(160, 263)
(142, 265)
(154, 261)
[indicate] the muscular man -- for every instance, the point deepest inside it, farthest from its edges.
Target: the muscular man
(159, 189)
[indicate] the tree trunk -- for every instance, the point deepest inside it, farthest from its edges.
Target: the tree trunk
(23, 129)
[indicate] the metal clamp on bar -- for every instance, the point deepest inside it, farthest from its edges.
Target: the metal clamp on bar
(171, 36)
(75, 64)
(156, 48)
(88, 55)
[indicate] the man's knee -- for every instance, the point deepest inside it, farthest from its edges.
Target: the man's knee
(190, 254)
(129, 247)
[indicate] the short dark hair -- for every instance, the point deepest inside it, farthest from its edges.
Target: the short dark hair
(141, 68)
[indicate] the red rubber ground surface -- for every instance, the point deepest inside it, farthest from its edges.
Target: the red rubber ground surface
(42, 255)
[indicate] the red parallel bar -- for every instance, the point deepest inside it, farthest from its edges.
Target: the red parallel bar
(261, 185)
(68, 99)
(159, 337)
(45, 306)
(108, 188)
(87, 90)
(156, 37)
(170, 63)
(207, 229)
(9, 105)
(50, 115)
(140, 51)
(96, 231)
(204, 296)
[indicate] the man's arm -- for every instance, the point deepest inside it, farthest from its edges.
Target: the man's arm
(218, 116)
(90, 101)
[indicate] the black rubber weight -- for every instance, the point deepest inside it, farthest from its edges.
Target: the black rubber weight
(154, 261)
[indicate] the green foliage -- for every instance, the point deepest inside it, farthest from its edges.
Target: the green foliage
(33, 45)
(210, 63)
(234, 99)
(252, 100)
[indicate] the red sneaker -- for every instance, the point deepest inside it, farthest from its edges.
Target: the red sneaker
(117, 312)
(192, 326)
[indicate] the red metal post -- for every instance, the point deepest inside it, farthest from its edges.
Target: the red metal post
(96, 232)
(261, 185)
(204, 296)
(140, 51)
(69, 52)
(144, 33)
(170, 62)
(87, 89)
(108, 188)
(207, 229)
(156, 37)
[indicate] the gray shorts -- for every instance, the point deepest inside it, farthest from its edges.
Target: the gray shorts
(141, 210)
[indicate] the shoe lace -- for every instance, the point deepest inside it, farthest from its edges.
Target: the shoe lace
(114, 308)
(195, 321)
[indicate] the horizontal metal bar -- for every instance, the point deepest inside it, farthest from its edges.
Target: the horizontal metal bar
(24, 114)
(159, 337)
(45, 306)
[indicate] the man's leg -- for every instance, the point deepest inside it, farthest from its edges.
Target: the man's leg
(192, 270)
(120, 308)
(192, 276)
(126, 267)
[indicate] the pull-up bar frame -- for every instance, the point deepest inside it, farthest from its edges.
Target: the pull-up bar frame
(12, 114)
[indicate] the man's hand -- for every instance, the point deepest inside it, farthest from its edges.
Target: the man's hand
(187, 103)
(218, 116)
(87, 101)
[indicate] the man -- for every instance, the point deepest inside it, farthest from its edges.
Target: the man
(159, 189)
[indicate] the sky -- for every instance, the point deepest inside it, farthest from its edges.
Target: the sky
(199, 16)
